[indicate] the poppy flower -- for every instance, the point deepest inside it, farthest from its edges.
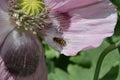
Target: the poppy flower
(68, 26)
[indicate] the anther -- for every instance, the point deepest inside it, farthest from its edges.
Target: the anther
(31, 29)
(16, 15)
(21, 19)
(42, 26)
(18, 23)
(34, 32)
(26, 29)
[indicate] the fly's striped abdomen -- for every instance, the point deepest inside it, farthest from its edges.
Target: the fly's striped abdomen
(60, 41)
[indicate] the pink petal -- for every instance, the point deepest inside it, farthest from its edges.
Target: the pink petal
(48, 34)
(89, 26)
(4, 5)
(65, 5)
(4, 74)
(84, 27)
(5, 25)
(40, 74)
(16, 45)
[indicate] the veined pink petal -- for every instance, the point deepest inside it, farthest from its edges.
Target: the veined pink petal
(5, 25)
(84, 27)
(5, 75)
(66, 5)
(22, 57)
(40, 74)
(48, 33)
(89, 26)
(4, 5)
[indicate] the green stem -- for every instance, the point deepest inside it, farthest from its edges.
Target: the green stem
(101, 58)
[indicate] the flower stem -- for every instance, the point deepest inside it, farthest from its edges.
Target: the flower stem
(101, 58)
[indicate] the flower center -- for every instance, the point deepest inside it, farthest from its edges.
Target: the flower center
(28, 14)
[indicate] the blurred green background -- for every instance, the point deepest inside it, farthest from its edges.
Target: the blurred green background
(82, 66)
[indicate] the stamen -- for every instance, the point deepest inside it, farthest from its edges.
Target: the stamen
(18, 23)
(34, 32)
(16, 15)
(28, 14)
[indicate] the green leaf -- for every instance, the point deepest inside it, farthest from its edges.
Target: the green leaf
(51, 53)
(82, 60)
(112, 74)
(59, 75)
(112, 59)
(78, 72)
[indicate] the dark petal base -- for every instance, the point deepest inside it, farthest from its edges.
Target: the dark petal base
(21, 53)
